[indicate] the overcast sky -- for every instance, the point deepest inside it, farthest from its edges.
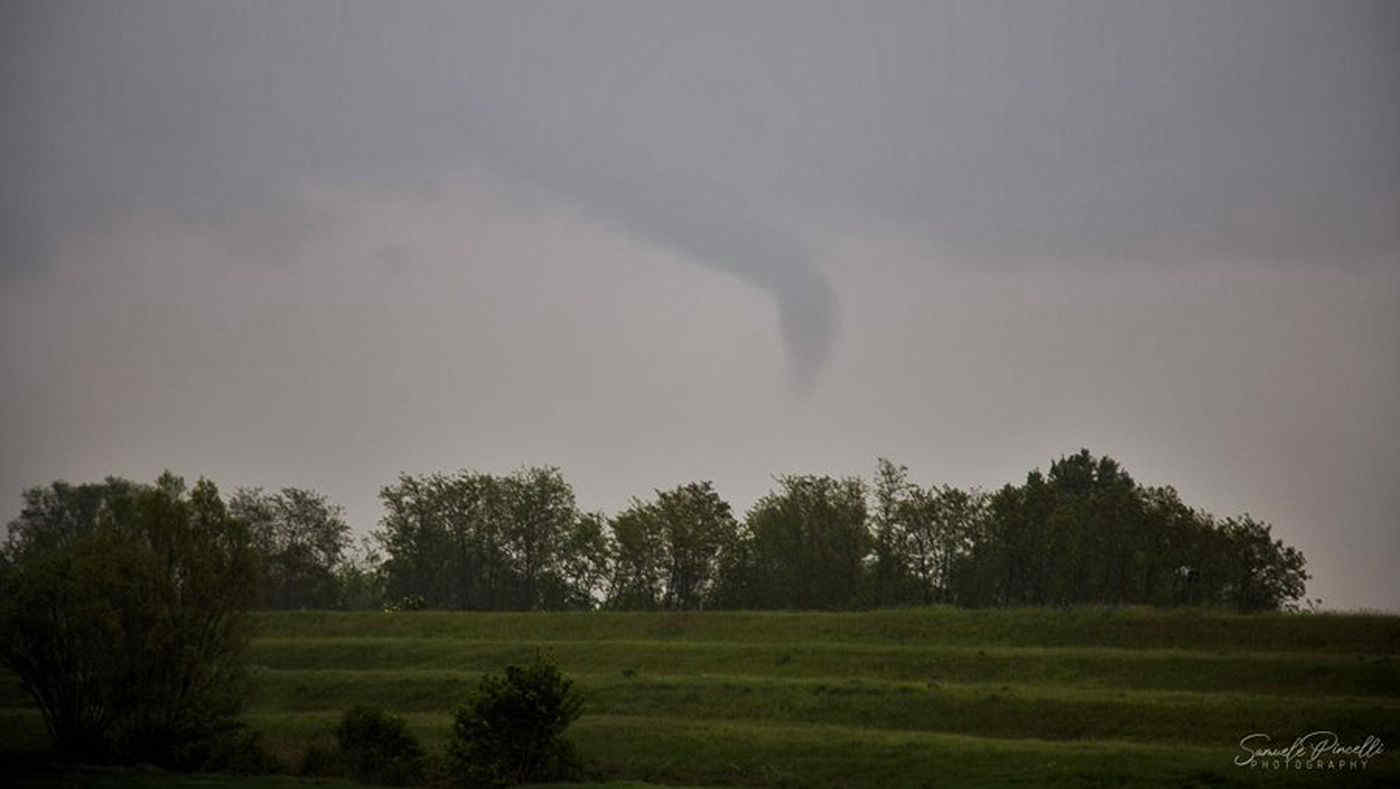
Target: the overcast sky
(318, 244)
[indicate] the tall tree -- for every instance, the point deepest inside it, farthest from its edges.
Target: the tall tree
(478, 541)
(537, 513)
(809, 542)
(1267, 575)
(587, 563)
(1087, 533)
(896, 572)
(441, 542)
(945, 520)
(696, 525)
(122, 612)
(300, 538)
(668, 550)
(639, 562)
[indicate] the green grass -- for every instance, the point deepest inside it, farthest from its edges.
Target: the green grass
(1128, 628)
(937, 697)
(1280, 673)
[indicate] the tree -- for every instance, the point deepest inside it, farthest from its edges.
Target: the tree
(1087, 533)
(538, 514)
(983, 572)
(511, 730)
(379, 749)
(737, 583)
(358, 581)
(300, 539)
(668, 551)
(440, 543)
(637, 582)
(696, 525)
(478, 541)
(1267, 575)
(940, 522)
(123, 616)
(586, 562)
(808, 544)
(897, 554)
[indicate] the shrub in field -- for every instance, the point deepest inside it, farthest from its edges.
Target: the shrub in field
(239, 750)
(377, 748)
(321, 761)
(511, 730)
(409, 602)
(122, 614)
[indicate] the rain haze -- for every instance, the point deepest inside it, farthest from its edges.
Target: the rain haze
(318, 244)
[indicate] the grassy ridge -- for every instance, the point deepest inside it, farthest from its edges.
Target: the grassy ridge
(991, 710)
(670, 750)
(1126, 628)
(1080, 697)
(1279, 673)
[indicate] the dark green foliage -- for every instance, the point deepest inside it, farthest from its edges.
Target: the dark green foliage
(409, 602)
(868, 697)
(358, 582)
(122, 613)
(321, 761)
(1083, 533)
(235, 749)
(666, 553)
(891, 574)
(479, 541)
(1087, 533)
(511, 730)
(803, 547)
(377, 748)
(1267, 575)
(300, 539)
(638, 560)
(920, 535)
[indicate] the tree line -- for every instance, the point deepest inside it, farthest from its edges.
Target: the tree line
(1082, 533)
(124, 616)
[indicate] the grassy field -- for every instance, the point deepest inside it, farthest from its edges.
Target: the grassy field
(922, 697)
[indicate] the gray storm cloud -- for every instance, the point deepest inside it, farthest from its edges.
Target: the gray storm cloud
(320, 242)
(217, 115)
(728, 132)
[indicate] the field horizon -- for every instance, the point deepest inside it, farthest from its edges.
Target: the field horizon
(1086, 696)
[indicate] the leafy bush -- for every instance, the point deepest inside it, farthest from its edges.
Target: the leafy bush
(122, 613)
(236, 749)
(511, 730)
(409, 602)
(378, 749)
(322, 760)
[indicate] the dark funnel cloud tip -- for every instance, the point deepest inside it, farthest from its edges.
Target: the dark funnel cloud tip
(808, 319)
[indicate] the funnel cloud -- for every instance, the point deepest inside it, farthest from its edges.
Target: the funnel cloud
(319, 243)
